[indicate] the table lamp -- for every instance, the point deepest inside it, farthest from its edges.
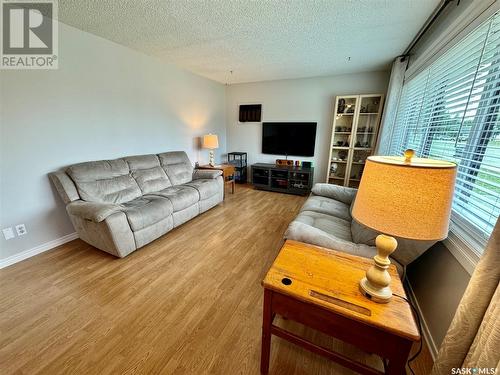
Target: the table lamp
(405, 197)
(211, 142)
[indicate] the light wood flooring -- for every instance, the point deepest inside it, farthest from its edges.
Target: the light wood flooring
(188, 303)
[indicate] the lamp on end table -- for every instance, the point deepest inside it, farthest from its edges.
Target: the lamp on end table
(211, 142)
(405, 197)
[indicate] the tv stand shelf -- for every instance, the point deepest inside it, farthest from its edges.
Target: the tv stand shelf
(283, 179)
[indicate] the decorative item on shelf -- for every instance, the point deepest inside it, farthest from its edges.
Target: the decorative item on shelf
(350, 108)
(342, 154)
(338, 128)
(405, 197)
(211, 142)
(363, 109)
(306, 164)
(357, 144)
(284, 162)
(346, 144)
(297, 163)
(340, 143)
(373, 106)
(333, 168)
(341, 106)
(362, 129)
(361, 155)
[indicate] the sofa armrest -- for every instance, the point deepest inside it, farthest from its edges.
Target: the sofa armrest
(93, 211)
(340, 193)
(206, 173)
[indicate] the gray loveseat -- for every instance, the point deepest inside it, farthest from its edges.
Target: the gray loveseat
(121, 205)
(325, 220)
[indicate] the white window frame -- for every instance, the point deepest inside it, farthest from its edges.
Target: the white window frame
(462, 244)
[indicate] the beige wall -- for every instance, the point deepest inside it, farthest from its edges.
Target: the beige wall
(438, 282)
(307, 99)
(105, 101)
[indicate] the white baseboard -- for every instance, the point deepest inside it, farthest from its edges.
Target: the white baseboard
(433, 349)
(37, 250)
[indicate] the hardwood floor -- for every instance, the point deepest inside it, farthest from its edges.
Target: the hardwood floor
(189, 303)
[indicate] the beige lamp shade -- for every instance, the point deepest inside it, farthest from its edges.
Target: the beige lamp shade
(408, 198)
(210, 141)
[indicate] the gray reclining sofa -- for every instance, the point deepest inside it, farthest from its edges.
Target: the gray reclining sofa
(121, 205)
(325, 220)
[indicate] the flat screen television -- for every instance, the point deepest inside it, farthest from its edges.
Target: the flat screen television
(289, 138)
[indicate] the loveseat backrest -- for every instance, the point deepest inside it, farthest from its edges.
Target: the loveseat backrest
(122, 180)
(148, 173)
(104, 181)
(177, 166)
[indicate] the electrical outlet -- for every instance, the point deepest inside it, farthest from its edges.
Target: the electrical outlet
(8, 233)
(21, 230)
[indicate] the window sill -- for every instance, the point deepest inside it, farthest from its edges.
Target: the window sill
(463, 253)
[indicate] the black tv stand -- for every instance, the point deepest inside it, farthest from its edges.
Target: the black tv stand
(283, 179)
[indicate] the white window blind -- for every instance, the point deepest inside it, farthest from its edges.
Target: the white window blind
(451, 110)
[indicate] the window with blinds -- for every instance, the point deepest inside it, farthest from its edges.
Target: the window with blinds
(451, 110)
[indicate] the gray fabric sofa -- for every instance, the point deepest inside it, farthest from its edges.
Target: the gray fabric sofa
(325, 220)
(121, 205)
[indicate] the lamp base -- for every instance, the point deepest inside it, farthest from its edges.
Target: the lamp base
(379, 295)
(376, 284)
(211, 158)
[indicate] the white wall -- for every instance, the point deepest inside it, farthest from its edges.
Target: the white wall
(105, 101)
(308, 99)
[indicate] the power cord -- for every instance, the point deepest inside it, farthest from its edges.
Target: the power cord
(415, 312)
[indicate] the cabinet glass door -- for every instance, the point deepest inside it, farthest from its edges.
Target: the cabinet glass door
(342, 138)
(366, 129)
(365, 136)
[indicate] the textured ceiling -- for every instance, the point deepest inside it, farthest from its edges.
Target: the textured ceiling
(258, 40)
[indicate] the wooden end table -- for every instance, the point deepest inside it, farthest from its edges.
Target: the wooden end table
(228, 172)
(318, 287)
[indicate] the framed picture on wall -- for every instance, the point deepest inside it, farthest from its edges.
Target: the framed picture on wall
(250, 112)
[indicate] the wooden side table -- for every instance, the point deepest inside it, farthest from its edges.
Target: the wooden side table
(228, 172)
(318, 287)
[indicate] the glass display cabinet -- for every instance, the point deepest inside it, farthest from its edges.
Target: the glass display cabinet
(355, 127)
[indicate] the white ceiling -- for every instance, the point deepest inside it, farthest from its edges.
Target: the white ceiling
(258, 40)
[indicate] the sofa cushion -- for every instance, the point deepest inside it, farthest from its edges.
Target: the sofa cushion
(299, 231)
(93, 211)
(148, 173)
(339, 193)
(104, 181)
(362, 234)
(206, 173)
(177, 167)
(181, 196)
(332, 225)
(64, 186)
(323, 205)
(145, 211)
(205, 187)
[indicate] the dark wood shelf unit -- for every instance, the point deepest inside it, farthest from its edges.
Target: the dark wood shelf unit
(239, 160)
(283, 179)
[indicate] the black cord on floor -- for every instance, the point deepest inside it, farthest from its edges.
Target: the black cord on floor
(415, 312)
